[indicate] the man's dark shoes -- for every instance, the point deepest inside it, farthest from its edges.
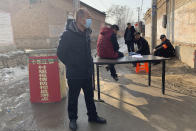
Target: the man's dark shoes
(134, 64)
(107, 68)
(98, 120)
(115, 77)
(73, 125)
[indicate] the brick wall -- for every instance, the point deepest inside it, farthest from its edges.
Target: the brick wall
(39, 24)
(181, 27)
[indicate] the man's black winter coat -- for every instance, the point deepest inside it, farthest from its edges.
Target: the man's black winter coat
(129, 34)
(143, 47)
(75, 52)
(168, 52)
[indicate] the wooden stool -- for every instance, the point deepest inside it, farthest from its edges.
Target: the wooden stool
(142, 67)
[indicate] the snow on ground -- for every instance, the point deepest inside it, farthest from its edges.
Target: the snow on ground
(123, 46)
(12, 53)
(12, 74)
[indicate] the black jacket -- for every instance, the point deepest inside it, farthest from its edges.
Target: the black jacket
(143, 47)
(170, 51)
(129, 34)
(75, 52)
(114, 42)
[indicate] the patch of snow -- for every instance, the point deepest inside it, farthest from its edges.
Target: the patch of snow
(4, 55)
(12, 53)
(94, 52)
(16, 52)
(13, 74)
(122, 45)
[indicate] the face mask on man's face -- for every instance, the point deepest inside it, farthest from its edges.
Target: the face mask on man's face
(88, 23)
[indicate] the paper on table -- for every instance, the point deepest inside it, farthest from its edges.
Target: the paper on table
(137, 56)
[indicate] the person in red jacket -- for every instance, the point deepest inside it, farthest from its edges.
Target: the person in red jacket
(108, 47)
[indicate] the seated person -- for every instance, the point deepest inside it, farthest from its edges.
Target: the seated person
(142, 45)
(108, 47)
(165, 49)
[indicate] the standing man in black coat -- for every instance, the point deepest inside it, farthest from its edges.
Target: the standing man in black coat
(142, 45)
(129, 37)
(75, 52)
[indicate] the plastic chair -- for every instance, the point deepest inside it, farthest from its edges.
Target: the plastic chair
(141, 67)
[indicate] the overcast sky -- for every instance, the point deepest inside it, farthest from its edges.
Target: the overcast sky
(104, 5)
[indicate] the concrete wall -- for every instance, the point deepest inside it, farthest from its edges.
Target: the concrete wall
(185, 22)
(6, 32)
(39, 24)
(181, 27)
(186, 55)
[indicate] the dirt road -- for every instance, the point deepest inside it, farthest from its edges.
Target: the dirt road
(130, 104)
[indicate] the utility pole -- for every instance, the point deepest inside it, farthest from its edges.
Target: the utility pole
(141, 8)
(138, 21)
(168, 18)
(71, 14)
(76, 6)
(154, 24)
(138, 9)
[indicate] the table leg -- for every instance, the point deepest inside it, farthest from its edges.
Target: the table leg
(93, 79)
(149, 74)
(163, 77)
(98, 85)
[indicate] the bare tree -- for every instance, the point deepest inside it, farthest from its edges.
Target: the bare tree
(121, 15)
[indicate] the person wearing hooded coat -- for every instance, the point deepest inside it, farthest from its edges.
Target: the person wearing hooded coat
(108, 47)
(75, 52)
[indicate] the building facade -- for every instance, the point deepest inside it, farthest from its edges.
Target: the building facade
(176, 19)
(39, 23)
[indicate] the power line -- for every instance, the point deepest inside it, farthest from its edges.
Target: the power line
(142, 5)
(138, 9)
(138, 2)
(141, 8)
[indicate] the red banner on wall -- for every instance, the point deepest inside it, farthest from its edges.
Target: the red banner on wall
(44, 79)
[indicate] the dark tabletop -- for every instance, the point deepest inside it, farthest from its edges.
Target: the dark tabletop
(128, 59)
